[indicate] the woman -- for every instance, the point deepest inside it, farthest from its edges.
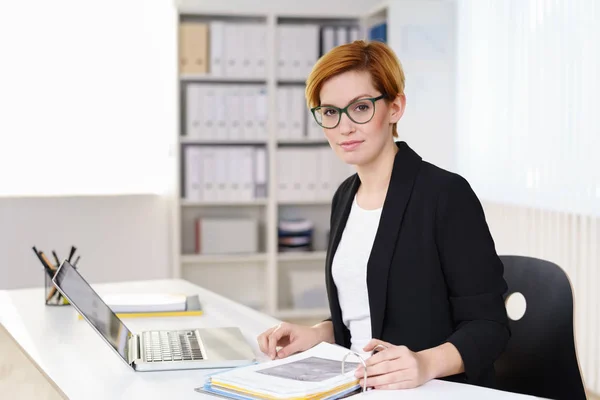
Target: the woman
(411, 267)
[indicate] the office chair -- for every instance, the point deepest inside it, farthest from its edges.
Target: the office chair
(540, 358)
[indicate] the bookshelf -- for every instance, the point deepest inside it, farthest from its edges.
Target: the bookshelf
(266, 279)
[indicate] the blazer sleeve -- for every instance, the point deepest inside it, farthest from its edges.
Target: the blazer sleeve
(474, 277)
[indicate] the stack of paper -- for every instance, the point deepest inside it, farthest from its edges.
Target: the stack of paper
(143, 305)
(313, 374)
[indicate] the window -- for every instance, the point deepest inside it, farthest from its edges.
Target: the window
(528, 98)
(87, 104)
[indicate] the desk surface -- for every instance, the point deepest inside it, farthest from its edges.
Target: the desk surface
(56, 339)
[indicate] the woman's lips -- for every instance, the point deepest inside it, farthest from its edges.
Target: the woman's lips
(351, 145)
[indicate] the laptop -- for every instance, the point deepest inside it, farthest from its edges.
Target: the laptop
(153, 350)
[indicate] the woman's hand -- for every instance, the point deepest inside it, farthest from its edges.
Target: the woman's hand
(293, 338)
(394, 367)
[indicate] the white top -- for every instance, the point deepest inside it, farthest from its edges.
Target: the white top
(54, 338)
(349, 270)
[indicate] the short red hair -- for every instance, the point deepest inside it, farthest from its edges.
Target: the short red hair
(375, 57)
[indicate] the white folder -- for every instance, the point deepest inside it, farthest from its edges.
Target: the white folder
(283, 107)
(246, 49)
(234, 113)
(309, 173)
(209, 178)
(354, 34)
(328, 38)
(341, 35)
(295, 113)
(244, 172)
(193, 111)
(249, 112)
(283, 179)
(193, 173)
(262, 106)
(283, 69)
(209, 121)
(296, 51)
(260, 173)
(260, 34)
(221, 115)
(217, 47)
(233, 51)
(223, 182)
(325, 182)
(311, 49)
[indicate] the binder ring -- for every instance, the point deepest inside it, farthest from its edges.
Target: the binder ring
(364, 388)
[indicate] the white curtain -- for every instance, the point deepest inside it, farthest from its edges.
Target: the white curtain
(529, 101)
(528, 116)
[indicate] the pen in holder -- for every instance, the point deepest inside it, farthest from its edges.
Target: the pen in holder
(52, 295)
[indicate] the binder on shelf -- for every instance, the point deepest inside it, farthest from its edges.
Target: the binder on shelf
(327, 39)
(378, 32)
(354, 34)
(250, 112)
(193, 48)
(262, 106)
(283, 111)
(341, 35)
(260, 173)
(194, 111)
(217, 48)
(295, 114)
(193, 174)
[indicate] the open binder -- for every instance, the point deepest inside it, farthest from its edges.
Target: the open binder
(323, 372)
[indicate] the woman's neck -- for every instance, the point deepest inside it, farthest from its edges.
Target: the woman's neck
(375, 176)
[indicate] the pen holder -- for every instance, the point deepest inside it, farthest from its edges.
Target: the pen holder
(51, 294)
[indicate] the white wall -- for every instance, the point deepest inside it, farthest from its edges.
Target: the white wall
(119, 237)
(89, 106)
(423, 33)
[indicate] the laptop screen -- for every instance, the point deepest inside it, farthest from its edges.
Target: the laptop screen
(96, 311)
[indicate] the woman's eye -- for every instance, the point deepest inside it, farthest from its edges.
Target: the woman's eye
(329, 112)
(362, 107)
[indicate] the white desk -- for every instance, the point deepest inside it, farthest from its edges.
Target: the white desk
(56, 339)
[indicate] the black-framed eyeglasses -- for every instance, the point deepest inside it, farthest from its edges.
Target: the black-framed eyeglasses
(360, 111)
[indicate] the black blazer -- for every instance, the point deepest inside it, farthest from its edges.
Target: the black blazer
(433, 275)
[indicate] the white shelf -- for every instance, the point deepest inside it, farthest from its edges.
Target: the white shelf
(380, 10)
(299, 313)
(270, 210)
(305, 202)
(302, 256)
(302, 141)
(188, 140)
(220, 79)
(223, 258)
(246, 203)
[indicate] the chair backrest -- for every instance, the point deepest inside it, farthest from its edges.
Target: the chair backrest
(540, 358)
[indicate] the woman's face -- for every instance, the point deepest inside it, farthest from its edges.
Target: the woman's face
(358, 144)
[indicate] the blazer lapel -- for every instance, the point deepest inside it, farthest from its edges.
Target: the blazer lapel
(404, 172)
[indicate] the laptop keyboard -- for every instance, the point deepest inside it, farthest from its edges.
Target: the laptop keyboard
(171, 346)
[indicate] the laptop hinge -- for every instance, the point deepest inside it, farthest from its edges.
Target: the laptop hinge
(134, 348)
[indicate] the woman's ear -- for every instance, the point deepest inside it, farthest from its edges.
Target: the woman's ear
(397, 108)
